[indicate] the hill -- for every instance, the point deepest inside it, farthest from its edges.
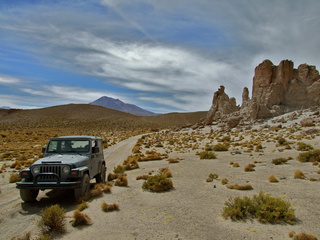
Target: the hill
(117, 104)
(86, 117)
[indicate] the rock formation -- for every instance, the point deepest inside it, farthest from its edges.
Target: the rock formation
(276, 90)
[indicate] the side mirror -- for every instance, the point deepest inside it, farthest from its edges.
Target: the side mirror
(95, 149)
(43, 150)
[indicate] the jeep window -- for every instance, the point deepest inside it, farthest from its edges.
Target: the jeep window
(68, 146)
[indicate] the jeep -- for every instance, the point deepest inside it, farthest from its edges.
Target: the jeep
(69, 162)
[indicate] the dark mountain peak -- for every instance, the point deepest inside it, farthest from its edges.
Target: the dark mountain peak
(117, 104)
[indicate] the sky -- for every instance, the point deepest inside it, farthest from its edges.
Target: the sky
(161, 55)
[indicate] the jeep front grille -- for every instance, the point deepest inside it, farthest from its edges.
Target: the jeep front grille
(50, 169)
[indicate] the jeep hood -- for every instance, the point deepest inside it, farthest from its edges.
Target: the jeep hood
(76, 160)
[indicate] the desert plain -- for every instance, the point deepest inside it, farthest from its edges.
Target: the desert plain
(193, 208)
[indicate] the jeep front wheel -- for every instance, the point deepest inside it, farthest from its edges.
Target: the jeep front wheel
(29, 195)
(84, 188)
(101, 177)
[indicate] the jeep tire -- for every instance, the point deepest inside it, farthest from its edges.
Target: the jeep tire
(29, 195)
(84, 188)
(101, 176)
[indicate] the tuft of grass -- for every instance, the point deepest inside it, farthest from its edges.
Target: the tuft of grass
(14, 177)
(263, 207)
(53, 219)
(207, 155)
(220, 147)
(240, 187)
(273, 179)
(249, 168)
(131, 162)
(119, 169)
(299, 174)
(236, 165)
(167, 171)
(80, 219)
(224, 181)
(302, 236)
(304, 147)
(158, 183)
(122, 181)
(279, 161)
(311, 156)
(82, 206)
(109, 207)
(113, 176)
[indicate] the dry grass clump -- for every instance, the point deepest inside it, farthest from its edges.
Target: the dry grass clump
(211, 177)
(279, 161)
(224, 181)
(273, 179)
(240, 187)
(311, 156)
(263, 207)
(109, 207)
(131, 162)
(299, 174)
(173, 160)
(14, 177)
(122, 181)
(152, 156)
(143, 177)
(249, 168)
(158, 183)
(302, 236)
(207, 155)
(80, 219)
(27, 236)
(221, 147)
(53, 219)
(113, 176)
(304, 147)
(82, 206)
(119, 169)
(236, 165)
(166, 171)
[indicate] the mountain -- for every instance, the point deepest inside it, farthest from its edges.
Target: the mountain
(117, 104)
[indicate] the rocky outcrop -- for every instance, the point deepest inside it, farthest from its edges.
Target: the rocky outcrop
(276, 90)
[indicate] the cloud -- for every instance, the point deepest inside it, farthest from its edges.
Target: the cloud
(9, 80)
(176, 53)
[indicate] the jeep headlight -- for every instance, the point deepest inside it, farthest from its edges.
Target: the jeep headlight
(66, 170)
(36, 170)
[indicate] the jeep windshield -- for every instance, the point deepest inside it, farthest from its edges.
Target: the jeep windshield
(68, 146)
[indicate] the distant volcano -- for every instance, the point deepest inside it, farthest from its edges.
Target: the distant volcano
(117, 104)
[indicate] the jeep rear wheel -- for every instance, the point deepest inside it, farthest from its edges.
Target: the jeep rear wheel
(83, 190)
(29, 195)
(101, 177)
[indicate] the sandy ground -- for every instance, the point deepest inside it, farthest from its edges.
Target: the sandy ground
(193, 209)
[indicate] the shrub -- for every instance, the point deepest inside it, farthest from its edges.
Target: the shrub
(240, 187)
(304, 236)
(109, 207)
(53, 219)
(14, 178)
(80, 219)
(131, 162)
(122, 181)
(299, 174)
(281, 141)
(166, 171)
(208, 155)
(249, 168)
(112, 176)
(310, 156)
(82, 206)
(173, 160)
(273, 179)
(236, 165)
(263, 207)
(220, 147)
(224, 181)
(158, 183)
(279, 161)
(304, 147)
(119, 169)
